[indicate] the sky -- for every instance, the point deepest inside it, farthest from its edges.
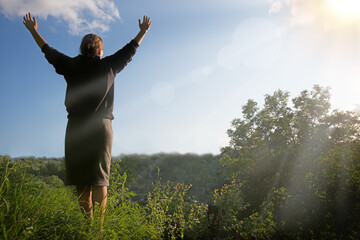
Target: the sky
(197, 66)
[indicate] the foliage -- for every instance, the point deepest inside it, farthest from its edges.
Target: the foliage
(33, 208)
(171, 208)
(41, 207)
(307, 156)
(291, 171)
(203, 172)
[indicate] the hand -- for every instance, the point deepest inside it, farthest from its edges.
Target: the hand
(30, 23)
(145, 25)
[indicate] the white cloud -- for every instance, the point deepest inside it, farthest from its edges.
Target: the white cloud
(80, 15)
(302, 12)
(323, 14)
(276, 6)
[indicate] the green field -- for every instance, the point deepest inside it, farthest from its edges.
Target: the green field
(290, 171)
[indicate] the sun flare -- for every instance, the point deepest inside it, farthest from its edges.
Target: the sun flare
(346, 9)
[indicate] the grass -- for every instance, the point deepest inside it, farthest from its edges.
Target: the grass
(35, 207)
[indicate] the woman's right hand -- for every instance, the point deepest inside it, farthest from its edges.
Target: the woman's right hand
(145, 24)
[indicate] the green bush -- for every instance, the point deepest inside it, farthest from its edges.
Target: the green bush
(41, 207)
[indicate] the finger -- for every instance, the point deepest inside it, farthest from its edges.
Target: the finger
(139, 21)
(34, 20)
(30, 16)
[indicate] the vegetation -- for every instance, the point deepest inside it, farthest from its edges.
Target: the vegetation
(296, 169)
(289, 172)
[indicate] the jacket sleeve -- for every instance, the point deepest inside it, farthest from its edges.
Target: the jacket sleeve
(59, 60)
(122, 57)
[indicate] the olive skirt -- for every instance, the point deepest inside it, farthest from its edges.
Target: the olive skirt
(88, 145)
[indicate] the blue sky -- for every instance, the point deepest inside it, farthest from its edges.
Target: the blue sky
(199, 63)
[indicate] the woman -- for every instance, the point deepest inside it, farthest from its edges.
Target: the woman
(89, 102)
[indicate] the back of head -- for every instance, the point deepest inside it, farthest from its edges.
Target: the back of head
(91, 45)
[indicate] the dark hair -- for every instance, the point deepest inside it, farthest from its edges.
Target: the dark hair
(90, 45)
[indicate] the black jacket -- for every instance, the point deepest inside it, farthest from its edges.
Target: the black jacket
(90, 81)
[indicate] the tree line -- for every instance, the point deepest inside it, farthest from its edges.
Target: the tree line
(291, 170)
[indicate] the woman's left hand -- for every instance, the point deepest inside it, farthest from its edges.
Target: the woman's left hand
(30, 23)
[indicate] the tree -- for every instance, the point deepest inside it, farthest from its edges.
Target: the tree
(307, 151)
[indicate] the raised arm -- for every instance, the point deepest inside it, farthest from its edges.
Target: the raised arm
(144, 27)
(31, 25)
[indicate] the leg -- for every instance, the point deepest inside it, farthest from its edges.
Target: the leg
(99, 195)
(85, 201)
